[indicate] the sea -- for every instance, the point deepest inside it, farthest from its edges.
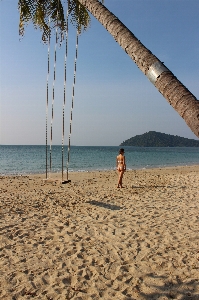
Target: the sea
(24, 160)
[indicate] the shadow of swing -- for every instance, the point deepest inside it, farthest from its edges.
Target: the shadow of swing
(104, 205)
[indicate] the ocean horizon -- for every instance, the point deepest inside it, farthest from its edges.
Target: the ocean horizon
(31, 159)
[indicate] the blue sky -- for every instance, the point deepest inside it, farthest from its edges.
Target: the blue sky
(113, 99)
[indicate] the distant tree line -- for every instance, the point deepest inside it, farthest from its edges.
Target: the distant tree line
(158, 139)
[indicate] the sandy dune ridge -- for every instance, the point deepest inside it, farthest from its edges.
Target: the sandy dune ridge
(90, 240)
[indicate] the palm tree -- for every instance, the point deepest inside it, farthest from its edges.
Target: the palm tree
(39, 11)
(178, 96)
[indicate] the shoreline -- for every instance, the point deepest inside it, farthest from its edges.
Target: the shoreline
(89, 240)
(59, 174)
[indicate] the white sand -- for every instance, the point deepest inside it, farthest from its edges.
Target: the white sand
(90, 240)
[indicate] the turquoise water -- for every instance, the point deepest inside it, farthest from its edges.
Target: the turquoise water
(32, 159)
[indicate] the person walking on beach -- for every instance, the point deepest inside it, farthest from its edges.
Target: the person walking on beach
(121, 166)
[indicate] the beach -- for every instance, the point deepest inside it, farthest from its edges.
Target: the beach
(88, 239)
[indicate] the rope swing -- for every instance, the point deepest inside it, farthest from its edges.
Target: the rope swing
(53, 94)
(72, 102)
(47, 103)
(64, 99)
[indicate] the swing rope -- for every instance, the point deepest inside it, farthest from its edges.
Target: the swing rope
(47, 99)
(53, 94)
(64, 100)
(72, 102)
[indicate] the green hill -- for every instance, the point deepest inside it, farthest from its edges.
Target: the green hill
(158, 139)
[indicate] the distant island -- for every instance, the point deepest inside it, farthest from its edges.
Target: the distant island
(158, 139)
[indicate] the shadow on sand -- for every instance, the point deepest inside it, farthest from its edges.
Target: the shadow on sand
(105, 205)
(176, 289)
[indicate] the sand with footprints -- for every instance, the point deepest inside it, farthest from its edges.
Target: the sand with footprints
(89, 239)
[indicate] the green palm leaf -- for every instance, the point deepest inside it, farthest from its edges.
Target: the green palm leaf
(38, 13)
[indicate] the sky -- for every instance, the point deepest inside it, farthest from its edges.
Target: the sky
(114, 100)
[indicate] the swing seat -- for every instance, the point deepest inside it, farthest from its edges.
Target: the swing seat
(51, 180)
(66, 181)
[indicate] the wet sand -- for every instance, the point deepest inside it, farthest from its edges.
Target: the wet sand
(88, 239)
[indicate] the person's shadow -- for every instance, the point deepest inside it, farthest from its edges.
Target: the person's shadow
(105, 205)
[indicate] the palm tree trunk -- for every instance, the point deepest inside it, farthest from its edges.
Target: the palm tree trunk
(178, 96)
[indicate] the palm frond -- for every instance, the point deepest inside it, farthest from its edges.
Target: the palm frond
(78, 15)
(38, 13)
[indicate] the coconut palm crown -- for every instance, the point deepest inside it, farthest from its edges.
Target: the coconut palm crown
(47, 14)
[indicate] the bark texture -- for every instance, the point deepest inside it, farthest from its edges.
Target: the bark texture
(178, 96)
